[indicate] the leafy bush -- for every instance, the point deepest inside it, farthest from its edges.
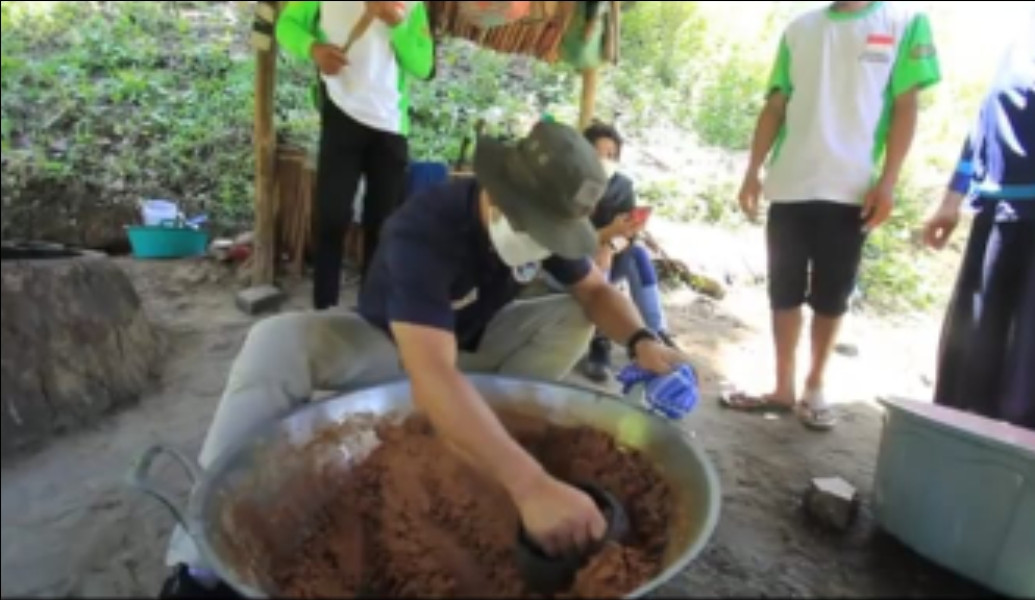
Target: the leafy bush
(895, 274)
(708, 202)
(729, 104)
(472, 84)
(105, 103)
(663, 53)
(112, 103)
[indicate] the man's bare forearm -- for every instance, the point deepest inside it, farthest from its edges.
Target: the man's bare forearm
(472, 430)
(770, 121)
(457, 411)
(904, 116)
(953, 200)
(611, 311)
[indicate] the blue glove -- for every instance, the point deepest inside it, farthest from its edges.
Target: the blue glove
(673, 395)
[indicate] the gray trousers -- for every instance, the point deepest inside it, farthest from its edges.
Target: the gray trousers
(286, 358)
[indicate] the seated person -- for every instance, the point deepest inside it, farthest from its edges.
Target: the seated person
(441, 298)
(619, 252)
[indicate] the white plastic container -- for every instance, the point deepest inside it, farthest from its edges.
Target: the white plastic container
(154, 212)
(959, 490)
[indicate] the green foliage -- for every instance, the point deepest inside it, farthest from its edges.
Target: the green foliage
(508, 93)
(106, 103)
(708, 201)
(661, 58)
(730, 103)
(114, 102)
(130, 100)
(895, 274)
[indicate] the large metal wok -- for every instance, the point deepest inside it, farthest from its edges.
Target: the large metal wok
(264, 472)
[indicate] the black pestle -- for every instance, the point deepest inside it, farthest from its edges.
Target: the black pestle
(544, 574)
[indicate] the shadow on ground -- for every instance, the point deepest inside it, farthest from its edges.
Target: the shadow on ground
(71, 527)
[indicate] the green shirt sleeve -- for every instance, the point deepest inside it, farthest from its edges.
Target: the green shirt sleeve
(297, 27)
(916, 65)
(780, 77)
(411, 40)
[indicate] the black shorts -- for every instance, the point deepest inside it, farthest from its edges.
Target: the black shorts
(814, 253)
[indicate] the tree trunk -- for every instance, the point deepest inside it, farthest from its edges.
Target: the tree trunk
(76, 343)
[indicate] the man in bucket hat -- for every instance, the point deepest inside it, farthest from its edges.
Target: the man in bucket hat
(441, 299)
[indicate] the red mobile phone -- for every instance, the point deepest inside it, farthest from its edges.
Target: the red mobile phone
(640, 214)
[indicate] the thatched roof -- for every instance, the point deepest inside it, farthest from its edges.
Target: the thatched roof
(538, 36)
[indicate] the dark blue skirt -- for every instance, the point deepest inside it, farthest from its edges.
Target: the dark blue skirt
(987, 354)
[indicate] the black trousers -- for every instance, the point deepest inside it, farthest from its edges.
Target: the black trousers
(987, 350)
(349, 150)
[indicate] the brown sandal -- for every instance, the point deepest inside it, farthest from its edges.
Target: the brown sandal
(744, 402)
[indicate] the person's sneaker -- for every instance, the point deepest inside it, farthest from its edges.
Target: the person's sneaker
(598, 363)
(182, 585)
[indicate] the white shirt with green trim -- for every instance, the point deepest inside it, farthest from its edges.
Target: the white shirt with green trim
(369, 88)
(842, 72)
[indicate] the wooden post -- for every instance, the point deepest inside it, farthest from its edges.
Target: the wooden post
(589, 97)
(265, 45)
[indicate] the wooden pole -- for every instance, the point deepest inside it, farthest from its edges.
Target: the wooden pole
(589, 97)
(265, 153)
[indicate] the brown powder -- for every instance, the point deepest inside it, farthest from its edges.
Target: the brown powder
(413, 520)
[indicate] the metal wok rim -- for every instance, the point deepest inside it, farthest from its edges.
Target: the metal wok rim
(195, 522)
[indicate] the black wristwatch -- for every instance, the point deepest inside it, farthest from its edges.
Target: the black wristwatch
(639, 336)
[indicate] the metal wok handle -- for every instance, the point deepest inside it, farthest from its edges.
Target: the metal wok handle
(140, 478)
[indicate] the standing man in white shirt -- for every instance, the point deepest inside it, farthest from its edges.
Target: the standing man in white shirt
(366, 53)
(839, 119)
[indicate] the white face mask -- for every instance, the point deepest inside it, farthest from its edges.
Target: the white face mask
(610, 167)
(515, 248)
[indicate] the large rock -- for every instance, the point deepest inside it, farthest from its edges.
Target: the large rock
(76, 343)
(833, 502)
(97, 225)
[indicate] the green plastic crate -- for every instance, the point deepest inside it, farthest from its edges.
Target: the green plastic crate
(960, 490)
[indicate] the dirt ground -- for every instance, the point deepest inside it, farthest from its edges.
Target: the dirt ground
(71, 527)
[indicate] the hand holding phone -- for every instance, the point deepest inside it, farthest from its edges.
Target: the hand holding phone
(628, 224)
(640, 214)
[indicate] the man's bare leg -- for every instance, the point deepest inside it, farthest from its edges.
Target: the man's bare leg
(786, 334)
(824, 336)
(813, 408)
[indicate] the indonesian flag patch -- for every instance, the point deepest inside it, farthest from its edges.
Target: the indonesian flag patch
(879, 40)
(879, 48)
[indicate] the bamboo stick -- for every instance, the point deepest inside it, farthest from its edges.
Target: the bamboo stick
(361, 27)
(587, 105)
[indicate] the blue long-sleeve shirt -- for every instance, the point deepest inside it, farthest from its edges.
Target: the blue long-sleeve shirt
(1012, 190)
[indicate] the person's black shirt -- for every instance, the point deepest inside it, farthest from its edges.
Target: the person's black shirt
(435, 266)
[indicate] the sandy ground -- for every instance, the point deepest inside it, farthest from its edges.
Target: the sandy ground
(71, 527)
